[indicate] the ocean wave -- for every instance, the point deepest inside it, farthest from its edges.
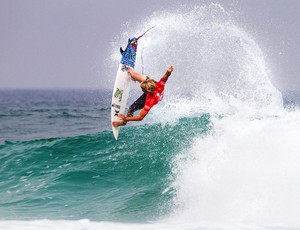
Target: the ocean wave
(130, 177)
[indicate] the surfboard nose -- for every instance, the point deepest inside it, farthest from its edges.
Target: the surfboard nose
(116, 132)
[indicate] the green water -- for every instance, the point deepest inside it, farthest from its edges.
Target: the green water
(93, 176)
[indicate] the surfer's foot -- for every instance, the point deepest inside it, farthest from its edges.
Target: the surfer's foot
(121, 51)
(119, 123)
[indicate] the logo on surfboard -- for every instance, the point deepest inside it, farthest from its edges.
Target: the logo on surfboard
(124, 68)
(118, 94)
(115, 106)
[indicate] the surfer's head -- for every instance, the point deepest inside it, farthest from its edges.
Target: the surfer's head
(148, 85)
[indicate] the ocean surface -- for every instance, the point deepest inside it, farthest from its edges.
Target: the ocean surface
(60, 165)
(221, 151)
(59, 159)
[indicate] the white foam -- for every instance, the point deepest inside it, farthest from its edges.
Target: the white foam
(247, 169)
(89, 225)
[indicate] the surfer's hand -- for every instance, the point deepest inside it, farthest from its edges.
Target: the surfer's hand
(129, 70)
(122, 116)
(170, 70)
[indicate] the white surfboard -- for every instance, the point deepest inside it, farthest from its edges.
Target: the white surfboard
(120, 96)
(122, 82)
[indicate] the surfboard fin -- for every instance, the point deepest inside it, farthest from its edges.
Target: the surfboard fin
(121, 50)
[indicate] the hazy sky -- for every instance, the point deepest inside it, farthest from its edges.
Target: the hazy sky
(64, 43)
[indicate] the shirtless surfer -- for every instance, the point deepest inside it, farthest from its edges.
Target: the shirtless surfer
(153, 93)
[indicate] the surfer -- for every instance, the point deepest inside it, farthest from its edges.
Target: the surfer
(153, 93)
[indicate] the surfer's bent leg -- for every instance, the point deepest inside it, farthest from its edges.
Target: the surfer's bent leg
(137, 105)
(136, 76)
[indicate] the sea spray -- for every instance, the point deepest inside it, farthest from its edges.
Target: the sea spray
(242, 171)
(215, 61)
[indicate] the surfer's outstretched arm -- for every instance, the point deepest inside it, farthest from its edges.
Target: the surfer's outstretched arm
(167, 74)
(136, 76)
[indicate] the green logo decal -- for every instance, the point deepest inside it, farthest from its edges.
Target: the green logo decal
(118, 93)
